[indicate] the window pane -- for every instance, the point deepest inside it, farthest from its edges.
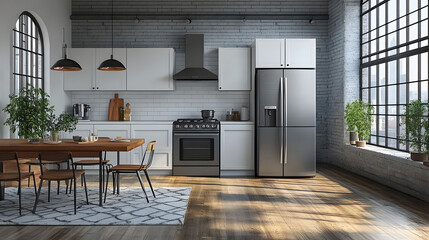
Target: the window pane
(392, 72)
(424, 66)
(413, 91)
(392, 94)
(414, 66)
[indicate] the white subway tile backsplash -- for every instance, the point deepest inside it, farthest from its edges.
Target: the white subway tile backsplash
(189, 98)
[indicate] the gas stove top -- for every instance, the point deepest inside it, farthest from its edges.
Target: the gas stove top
(195, 124)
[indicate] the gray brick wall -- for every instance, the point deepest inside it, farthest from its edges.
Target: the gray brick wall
(201, 6)
(218, 33)
(382, 165)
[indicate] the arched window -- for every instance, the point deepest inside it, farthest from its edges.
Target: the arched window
(28, 53)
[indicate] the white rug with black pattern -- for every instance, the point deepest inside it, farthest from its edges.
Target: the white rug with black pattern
(128, 208)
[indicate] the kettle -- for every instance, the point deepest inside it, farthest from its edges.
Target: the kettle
(81, 111)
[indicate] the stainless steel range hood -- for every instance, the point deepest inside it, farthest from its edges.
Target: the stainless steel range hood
(194, 60)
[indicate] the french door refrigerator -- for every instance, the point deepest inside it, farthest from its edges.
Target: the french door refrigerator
(286, 122)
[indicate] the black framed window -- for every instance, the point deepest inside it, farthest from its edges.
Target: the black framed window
(394, 63)
(28, 53)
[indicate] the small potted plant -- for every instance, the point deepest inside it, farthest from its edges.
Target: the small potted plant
(358, 118)
(350, 117)
(65, 122)
(29, 113)
(415, 122)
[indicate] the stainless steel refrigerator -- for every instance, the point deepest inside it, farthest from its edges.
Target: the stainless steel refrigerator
(286, 122)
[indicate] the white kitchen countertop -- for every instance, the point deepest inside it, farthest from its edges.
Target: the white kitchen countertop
(148, 122)
(236, 122)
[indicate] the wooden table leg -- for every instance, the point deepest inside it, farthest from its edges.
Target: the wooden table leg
(1, 184)
(118, 160)
(100, 169)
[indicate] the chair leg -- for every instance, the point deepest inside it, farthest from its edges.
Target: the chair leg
(150, 184)
(141, 184)
(34, 182)
(86, 189)
(102, 178)
(58, 182)
(29, 171)
(74, 197)
(20, 193)
(107, 184)
(49, 191)
(37, 196)
(114, 182)
(81, 180)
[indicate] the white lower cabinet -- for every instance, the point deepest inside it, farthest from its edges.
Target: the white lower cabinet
(162, 134)
(113, 131)
(237, 144)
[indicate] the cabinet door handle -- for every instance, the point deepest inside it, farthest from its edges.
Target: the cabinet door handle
(93, 88)
(97, 88)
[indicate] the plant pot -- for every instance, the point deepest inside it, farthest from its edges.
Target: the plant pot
(353, 138)
(360, 143)
(54, 136)
(419, 156)
(34, 140)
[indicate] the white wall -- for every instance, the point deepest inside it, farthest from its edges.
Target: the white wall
(53, 16)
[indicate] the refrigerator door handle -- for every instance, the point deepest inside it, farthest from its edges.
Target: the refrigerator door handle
(284, 109)
(281, 102)
(282, 137)
(285, 145)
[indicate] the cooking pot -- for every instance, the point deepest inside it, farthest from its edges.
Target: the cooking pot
(207, 114)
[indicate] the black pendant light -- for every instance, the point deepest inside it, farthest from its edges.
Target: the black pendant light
(66, 64)
(111, 64)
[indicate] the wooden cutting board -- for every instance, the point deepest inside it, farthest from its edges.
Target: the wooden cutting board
(114, 106)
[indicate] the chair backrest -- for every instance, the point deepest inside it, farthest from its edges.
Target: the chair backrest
(151, 149)
(55, 157)
(9, 156)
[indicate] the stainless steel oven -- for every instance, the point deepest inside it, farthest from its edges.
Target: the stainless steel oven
(196, 151)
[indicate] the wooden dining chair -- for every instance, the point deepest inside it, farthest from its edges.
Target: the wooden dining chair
(59, 175)
(18, 176)
(136, 168)
(35, 161)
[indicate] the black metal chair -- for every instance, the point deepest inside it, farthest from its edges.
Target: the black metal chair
(90, 162)
(136, 168)
(18, 176)
(59, 175)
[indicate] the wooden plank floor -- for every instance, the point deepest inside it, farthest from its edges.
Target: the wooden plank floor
(333, 205)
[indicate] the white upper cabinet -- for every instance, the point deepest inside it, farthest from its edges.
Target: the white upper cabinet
(85, 79)
(270, 53)
(150, 69)
(235, 69)
(285, 53)
(300, 53)
(110, 80)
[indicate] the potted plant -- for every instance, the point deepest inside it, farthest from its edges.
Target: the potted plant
(29, 113)
(415, 121)
(65, 122)
(350, 117)
(358, 118)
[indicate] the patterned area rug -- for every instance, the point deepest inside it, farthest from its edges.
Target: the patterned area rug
(128, 208)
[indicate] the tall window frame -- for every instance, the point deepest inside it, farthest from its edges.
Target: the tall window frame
(394, 63)
(28, 53)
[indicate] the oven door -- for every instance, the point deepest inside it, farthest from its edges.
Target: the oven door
(196, 149)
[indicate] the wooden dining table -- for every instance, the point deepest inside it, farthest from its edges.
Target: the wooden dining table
(68, 145)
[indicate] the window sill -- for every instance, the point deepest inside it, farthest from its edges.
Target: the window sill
(390, 154)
